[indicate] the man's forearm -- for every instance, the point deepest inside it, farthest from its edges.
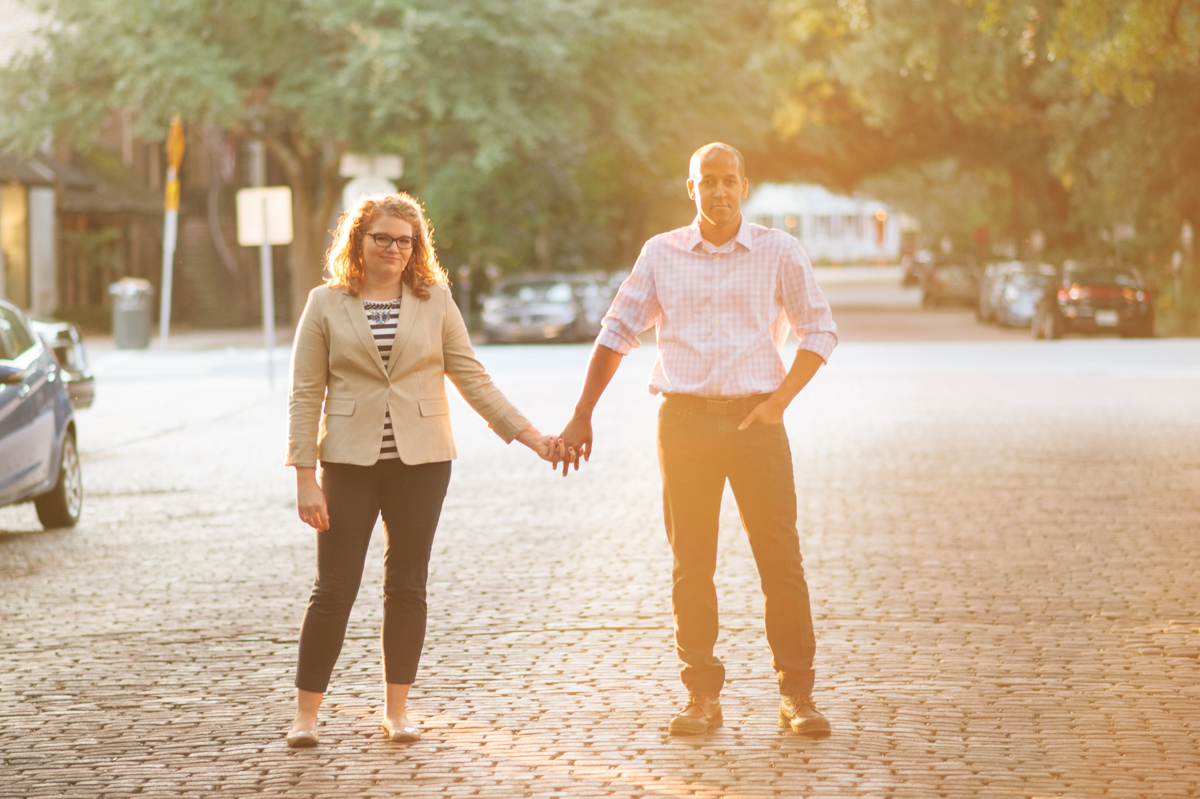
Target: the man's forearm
(601, 368)
(803, 368)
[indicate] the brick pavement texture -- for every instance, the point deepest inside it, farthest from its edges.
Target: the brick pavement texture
(1002, 570)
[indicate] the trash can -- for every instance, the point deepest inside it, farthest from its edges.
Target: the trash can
(131, 309)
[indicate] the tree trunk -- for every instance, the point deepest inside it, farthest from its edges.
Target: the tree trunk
(312, 172)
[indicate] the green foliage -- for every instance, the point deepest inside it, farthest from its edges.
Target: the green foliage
(1068, 116)
(949, 200)
(568, 121)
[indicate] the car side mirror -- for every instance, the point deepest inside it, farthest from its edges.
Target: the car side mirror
(10, 374)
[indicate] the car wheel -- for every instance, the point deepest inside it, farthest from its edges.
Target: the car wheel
(62, 505)
(1038, 326)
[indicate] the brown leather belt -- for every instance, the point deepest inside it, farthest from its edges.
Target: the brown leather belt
(739, 406)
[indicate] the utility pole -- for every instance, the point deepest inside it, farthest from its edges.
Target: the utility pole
(175, 147)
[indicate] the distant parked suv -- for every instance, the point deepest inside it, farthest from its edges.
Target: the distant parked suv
(950, 279)
(1089, 298)
(546, 307)
(38, 457)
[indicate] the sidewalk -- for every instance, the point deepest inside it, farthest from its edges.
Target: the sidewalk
(203, 339)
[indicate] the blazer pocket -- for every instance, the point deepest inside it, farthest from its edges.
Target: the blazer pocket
(339, 407)
(434, 407)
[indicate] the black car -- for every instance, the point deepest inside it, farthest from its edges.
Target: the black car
(38, 457)
(1089, 298)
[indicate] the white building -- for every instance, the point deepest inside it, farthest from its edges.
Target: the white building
(832, 228)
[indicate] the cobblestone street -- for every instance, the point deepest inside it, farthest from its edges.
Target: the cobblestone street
(1000, 537)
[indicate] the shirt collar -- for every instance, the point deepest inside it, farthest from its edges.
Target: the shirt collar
(743, 237)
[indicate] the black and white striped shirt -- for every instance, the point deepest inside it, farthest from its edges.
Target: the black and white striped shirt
(382, 316)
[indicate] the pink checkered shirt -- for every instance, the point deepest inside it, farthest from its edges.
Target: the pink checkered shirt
(721, 314)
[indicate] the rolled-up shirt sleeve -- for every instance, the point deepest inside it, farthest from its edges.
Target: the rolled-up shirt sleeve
(634, 309)
(805, 304)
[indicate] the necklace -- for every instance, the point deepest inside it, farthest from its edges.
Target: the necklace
(380, 311)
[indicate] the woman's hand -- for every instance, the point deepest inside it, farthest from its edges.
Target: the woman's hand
(310, 499)
(548, 448)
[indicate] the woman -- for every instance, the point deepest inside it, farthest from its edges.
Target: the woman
(373, 347)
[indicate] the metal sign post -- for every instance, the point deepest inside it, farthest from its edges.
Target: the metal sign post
(268, 294)
(175, 147)
(265, 219)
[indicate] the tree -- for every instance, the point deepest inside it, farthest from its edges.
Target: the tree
(1076, 114)
(518, 119)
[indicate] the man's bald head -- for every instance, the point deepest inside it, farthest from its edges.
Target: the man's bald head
(708, 151)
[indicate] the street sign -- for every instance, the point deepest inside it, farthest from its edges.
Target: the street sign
(356, 165)
(264, 217)
(268, 208)
(357, 188)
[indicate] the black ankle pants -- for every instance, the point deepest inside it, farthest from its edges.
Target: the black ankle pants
(410, 500)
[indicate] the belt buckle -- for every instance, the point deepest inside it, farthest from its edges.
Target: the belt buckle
(718, 406)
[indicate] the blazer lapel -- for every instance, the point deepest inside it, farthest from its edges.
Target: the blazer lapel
(404, 325)
(358, 321)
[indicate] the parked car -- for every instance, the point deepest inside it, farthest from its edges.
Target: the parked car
(950, 279)
(1088, 298)
(38, 457)
(915, 267)
(546, 307)
(991, 284)
(64, 341)
(1019, 290)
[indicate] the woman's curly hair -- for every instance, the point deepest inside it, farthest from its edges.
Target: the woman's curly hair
(344, 259)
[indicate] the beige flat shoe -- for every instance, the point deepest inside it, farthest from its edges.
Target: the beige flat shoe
(402, 735)
(302, 739)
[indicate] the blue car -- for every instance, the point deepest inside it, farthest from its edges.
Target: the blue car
(38, 457)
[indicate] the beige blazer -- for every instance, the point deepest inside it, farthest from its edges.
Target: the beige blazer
(340, 388)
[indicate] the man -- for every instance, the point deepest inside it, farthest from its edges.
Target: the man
(721, 295)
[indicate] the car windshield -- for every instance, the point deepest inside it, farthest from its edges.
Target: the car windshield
(1033, 268)
(1099, 277)
(537, 291)
(14, 338)
(1026, 280)
(953, 272)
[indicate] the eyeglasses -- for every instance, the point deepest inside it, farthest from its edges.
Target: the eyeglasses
(384, 241)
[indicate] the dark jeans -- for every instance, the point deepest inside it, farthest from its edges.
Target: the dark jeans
(410, 499)
(698, 451)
